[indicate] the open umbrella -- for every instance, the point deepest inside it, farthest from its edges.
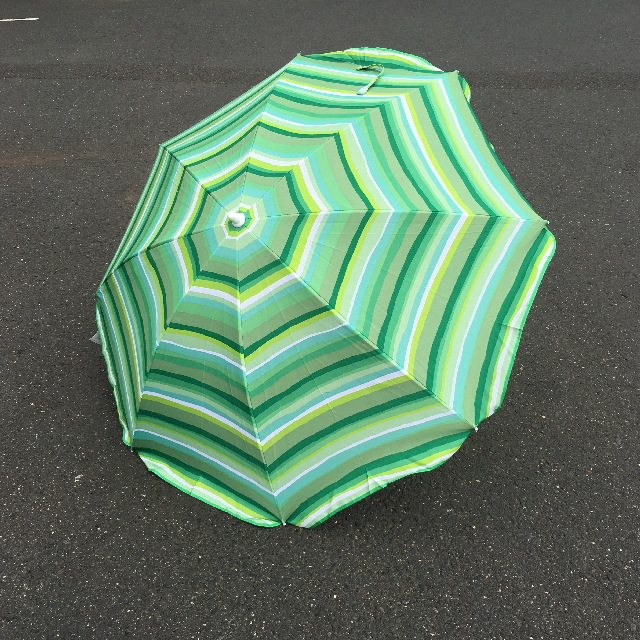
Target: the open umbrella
(322, 288)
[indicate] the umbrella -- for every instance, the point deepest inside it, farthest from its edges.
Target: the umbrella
(321, 290)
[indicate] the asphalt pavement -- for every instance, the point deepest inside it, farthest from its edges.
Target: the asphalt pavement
(530, 531)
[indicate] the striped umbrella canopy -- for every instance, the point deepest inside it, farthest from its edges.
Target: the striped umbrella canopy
(322, 288)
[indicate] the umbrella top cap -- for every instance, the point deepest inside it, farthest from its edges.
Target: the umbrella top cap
(237, 218)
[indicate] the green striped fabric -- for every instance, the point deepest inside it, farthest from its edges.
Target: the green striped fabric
(358, 325)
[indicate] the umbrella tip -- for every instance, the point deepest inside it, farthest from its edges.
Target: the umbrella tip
(237, 218)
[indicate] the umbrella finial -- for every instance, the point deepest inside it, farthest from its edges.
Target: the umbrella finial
(237, 218)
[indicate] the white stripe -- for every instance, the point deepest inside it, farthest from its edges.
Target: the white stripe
(337, 72)
(274, 161)
(204, 455)
(475, 309)
(226, 170)
(197, 407)
(163, 211)
(414, 129)
(234, 111)
(309, 242)
(308, 181)
(127, 395)
(514, 321)
(316, 225)
(316, 197)
(376, 481)
(265, 292)
(333, 127)
(248, 155)
(327, 70)
(293, 344)
(366, 164)
(215, 293)
(455, 117)
(395, 54)
(224, 143)
(185, 273)
(333, 94)
(210, 353)
(16, 19)
(360, 442)
(342, 394)
(194, 200)
(111, 373)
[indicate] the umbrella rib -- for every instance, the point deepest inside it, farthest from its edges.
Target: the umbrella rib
(364, 338)
(330, 136)
(169, 240)
(349, 124)
(253, 140)
(193, 134)
(246, 387)
(210, 194)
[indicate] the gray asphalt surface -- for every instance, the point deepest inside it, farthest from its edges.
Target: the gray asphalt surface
(530, 531)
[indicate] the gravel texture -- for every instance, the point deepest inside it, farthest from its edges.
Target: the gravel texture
(530, 531)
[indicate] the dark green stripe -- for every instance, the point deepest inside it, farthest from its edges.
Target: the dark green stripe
(223, 487)
(160, 280)
(460, 169)
(494, 344)
(401, 157)
(331, 78)
(173, 204)
(206, 332)
(252, 348)
(272, 267)
(316, 379)
(118, 389)
(163, 185)
(291, 243)
(166, 377)
(188, 429)
(438, 344)
(366, 470)
(118, 328)
(323, 351)
(138, 316)
(349, 253)
(333, 430)
(406, 277)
